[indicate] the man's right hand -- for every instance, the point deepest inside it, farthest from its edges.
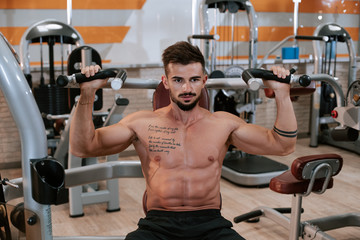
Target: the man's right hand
(89, 71)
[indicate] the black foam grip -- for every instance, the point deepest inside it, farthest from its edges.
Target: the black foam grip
(264, 74)
(248, 216)
(80, 78)
(63, 80)
(317, 38)
(202, 36)
(246, 75)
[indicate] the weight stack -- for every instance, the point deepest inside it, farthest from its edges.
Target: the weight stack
(51, 99)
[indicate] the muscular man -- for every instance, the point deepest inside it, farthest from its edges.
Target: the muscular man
(182, 147)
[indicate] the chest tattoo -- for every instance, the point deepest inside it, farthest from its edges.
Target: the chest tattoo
(162, 139)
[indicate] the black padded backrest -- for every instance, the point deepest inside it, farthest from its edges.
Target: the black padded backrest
(74, 61)
(161, 98)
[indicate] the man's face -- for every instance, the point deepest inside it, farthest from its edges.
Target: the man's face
(185, 83)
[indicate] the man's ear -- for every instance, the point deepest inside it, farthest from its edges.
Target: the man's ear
(205, 79)
(165, 81)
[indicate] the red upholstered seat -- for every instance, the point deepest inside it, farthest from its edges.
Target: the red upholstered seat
(286, 183)
(161, 98)
(292, 181)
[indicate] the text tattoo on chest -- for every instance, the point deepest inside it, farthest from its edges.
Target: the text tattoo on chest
(161, 139)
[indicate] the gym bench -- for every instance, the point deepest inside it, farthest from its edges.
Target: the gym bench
(313, 173)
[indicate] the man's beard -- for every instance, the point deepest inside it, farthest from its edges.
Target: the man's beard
(185, 107)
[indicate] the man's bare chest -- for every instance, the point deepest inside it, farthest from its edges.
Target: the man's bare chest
(191, 144)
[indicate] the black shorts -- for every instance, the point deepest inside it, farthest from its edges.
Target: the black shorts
(193, 225)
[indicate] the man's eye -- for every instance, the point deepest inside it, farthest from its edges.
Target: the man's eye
(177, 80)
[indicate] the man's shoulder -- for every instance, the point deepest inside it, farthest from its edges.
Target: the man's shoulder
(142, 114)
(226, 118)
(224, 115)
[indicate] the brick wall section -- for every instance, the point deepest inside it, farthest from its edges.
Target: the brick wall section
(140, 99)
(10, 146)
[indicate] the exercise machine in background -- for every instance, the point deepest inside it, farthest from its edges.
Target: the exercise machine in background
(219, 42)
(57, 38)
(323, 128)
(55, 103)
(314, 174)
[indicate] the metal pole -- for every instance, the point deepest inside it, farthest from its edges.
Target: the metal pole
(69, 19)
(69, 12)
(31, 128)
(296, 18)
(232, 37)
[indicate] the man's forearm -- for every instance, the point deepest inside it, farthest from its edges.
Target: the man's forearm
(285, 127)
(285, 119)
(82, 127)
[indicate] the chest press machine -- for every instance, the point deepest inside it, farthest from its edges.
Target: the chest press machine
(325, 128)
(314, 174)
(220, 41)
(44, 180)
(56, 103)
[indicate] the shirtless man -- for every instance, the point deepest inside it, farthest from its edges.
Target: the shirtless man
(182, 147)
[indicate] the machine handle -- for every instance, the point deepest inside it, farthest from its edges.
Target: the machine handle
(118, 78)
(248, 216)
(313, 38)
(205, 36)
(253, 77)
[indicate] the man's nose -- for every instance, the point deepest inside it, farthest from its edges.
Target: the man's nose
(186, 87)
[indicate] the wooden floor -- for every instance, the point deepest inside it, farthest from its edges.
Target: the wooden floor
(344, 197)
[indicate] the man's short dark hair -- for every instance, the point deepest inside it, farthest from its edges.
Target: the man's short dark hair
(182, 53)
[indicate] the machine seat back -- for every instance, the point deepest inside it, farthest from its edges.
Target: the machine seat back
(308, 174)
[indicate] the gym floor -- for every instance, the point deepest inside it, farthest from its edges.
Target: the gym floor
(342, 198)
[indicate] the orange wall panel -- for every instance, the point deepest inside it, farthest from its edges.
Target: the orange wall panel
(272, 34)
(108, 4)
(91, 35)
(76, 4)
(103, 34)
(308, 6)
(13, 34)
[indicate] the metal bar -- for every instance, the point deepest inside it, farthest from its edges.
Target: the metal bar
(296, 18)
(253, 25)
(337, 221)
(295, 217)
(232, 37)
(62, 53)
(69, 19)
(31, 129)
(42, 81)
(102, 171)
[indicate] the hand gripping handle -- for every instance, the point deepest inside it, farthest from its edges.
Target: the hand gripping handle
(119, 76)
(253, 77)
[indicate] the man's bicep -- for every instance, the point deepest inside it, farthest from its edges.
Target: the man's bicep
(115, 136)
(250, 138)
